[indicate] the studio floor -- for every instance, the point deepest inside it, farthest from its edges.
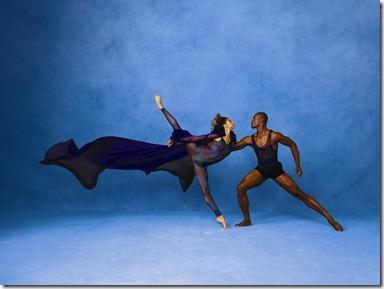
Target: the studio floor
(185, 248)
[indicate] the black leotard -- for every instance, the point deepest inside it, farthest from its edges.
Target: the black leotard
(268, 163)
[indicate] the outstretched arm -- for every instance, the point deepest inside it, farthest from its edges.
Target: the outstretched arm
(295, 151)
(245, 141)
(197, 138)
(172, 121)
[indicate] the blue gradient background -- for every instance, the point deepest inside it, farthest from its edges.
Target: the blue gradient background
(85, 69)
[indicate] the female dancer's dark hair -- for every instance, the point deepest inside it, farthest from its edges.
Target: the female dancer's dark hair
(217, 125)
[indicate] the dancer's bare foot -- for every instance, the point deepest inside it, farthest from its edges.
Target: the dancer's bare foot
(336, 225)
(159, 104)
(244, 223)
(222, 221)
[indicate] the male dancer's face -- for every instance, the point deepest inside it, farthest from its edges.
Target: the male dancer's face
(255, 121)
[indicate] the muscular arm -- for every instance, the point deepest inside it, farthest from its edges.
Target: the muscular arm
(245, 141)
(279, 137)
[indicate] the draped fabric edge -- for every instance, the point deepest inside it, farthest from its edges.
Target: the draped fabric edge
(87, 167)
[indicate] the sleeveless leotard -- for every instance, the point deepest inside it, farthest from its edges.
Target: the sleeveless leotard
(268, 163)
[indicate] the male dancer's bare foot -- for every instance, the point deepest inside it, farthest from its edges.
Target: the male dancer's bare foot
(244, 223)
(336, 225)
(222, 221)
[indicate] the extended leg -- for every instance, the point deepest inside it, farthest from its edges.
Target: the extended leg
(171, 119)
(251, 180)
(286, 182)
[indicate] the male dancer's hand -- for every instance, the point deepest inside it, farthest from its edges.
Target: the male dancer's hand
(299, 172)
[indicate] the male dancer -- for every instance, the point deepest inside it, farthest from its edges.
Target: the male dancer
(265, 144)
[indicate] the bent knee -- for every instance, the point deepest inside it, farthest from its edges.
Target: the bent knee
(205, 190)
(241, 189)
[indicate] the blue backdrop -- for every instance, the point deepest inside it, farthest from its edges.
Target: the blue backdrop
(85, 69)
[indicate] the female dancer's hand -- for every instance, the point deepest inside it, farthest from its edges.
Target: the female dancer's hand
(169, 143)
(158, 102)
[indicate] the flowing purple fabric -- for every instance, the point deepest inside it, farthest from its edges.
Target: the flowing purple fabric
(120, 153)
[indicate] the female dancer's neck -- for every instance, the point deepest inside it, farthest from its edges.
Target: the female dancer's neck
(227, 137)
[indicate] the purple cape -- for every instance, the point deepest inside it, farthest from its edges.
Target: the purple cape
(120, 153)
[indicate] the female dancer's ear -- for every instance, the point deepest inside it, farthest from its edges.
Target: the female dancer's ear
(158, 102)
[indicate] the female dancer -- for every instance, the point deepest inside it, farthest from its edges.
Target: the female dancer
(204, 150)
(184, 156)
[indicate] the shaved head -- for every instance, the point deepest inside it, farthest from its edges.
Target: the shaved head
(263, 115)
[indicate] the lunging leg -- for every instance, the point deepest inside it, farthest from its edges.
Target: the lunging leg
(286, 182)
(251, 180)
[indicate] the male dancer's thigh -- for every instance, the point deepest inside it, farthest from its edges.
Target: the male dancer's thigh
(251, 180)
(287, 183)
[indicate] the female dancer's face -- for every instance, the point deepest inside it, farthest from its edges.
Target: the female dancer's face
(229, 124)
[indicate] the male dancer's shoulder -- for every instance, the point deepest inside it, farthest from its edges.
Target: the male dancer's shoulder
(248, 139)
(276, 134)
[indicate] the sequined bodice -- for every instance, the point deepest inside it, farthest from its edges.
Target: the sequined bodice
(212, 153)
(219, 150)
